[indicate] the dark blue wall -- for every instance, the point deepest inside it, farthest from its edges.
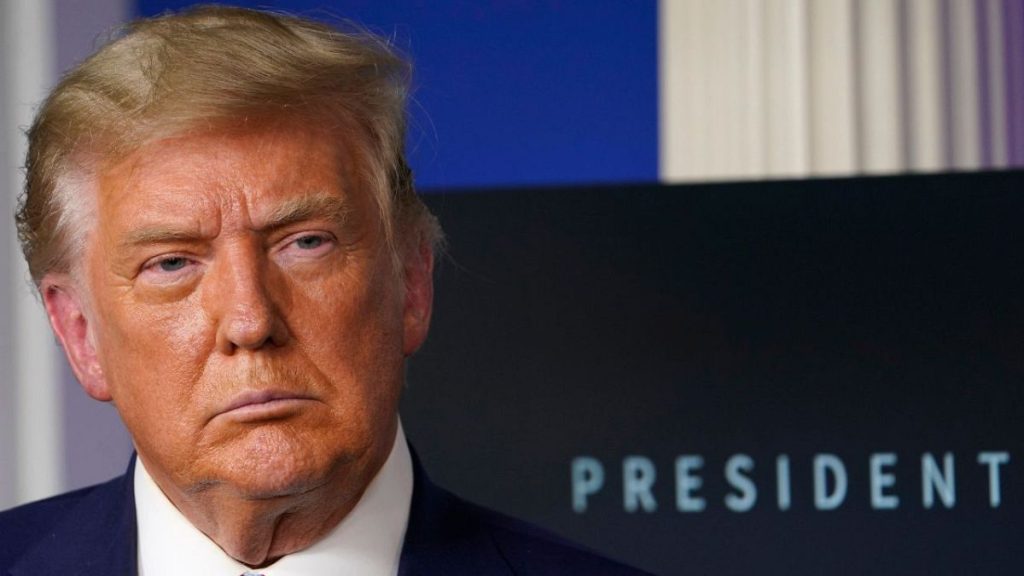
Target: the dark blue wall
(512, 93)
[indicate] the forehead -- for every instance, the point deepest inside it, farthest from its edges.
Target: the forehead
(251, 170)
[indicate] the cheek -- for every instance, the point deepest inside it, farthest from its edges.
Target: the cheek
(151, 354)
(156, 365)
(353, 331)
(350, 299)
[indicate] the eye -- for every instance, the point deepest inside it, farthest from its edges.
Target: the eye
(306, 246)
(309, 242)
(172, 264)
(169, 268)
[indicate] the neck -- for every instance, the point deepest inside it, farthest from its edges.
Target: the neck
(259, 531)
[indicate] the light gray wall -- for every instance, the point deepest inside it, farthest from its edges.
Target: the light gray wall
(7, 454)
(81, 24)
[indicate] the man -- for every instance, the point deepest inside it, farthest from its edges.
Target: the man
(222, 226)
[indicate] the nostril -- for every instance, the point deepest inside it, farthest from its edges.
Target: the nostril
(252, 328)
(251, 325)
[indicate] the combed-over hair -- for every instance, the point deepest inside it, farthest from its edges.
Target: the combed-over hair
(202, 68)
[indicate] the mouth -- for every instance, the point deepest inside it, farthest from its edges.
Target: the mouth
(265, 405)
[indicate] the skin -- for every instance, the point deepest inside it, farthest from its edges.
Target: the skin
(239, 305)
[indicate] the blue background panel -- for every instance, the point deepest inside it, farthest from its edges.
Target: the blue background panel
(514, 93)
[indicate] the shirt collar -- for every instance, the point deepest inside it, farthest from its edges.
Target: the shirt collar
(368, 541)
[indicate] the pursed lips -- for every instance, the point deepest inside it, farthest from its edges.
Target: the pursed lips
(263, 403)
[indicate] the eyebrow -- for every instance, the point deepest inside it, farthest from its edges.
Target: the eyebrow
(309, 207)
(159, 235)
(287, 213)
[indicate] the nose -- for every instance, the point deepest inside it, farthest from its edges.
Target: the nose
(242, 297)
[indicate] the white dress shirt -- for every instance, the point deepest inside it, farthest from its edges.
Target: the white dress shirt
(367, 542)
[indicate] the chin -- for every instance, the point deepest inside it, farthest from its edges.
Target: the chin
(271, 463)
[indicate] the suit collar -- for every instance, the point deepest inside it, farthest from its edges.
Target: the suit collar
(95, 538)
(444, 535)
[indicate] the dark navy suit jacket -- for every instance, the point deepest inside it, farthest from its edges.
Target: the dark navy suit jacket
(91, 532)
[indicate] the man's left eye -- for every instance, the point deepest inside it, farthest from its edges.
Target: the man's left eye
(309, 242)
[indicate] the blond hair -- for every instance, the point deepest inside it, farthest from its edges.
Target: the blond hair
(199, 69)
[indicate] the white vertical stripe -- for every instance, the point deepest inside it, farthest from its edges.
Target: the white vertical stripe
(925, 104)
(966, 129)
(881, 135)
(750, 96)
(786, 115)
(724, 71)
(833, 134)
(996, 84)
(682, 89)
(756, 88)
(39, 454)
(712, 72)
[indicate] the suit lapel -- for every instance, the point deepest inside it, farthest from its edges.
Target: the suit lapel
(95, 538)
(444, 536)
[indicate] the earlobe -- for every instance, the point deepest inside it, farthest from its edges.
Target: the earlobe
(67, 313)
(419, 294)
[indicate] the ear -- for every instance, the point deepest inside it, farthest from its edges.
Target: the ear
(418, 268)
(67, 312)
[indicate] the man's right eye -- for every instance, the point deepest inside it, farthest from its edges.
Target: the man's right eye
(172, 264)
(164, 268)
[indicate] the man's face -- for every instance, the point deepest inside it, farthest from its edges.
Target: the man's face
(246, 317)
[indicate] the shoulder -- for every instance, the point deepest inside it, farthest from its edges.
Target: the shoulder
(448, 535)
(28, 525)
(72, 529)
(529, 549)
